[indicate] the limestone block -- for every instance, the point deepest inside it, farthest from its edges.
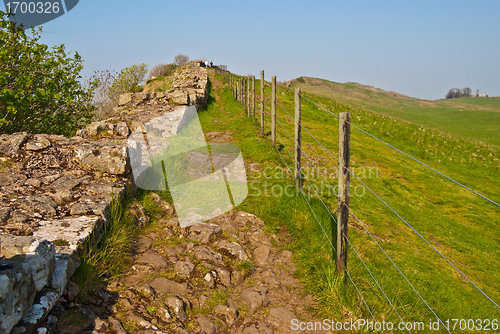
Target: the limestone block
(10, 144)
(74, 230)
(17, 292)
(124, 99)
(107, 157)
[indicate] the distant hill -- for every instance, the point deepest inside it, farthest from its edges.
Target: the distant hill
(473, 118)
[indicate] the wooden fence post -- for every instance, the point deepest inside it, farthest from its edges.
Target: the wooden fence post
(343, 191)
(240, 90)
(262, 102)
(248, 97)
(273, 111)
(298, 130)
(253, 96)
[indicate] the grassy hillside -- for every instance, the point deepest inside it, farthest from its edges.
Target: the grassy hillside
(472, 118)
(461, 225)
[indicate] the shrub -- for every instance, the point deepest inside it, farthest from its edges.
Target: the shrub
(40, 90)
(110, 85)
(128, 80)
(181, 60)
(161, 70)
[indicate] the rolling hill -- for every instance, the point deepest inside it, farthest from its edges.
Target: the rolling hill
(471, 118)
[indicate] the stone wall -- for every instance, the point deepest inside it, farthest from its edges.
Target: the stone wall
(56, 192)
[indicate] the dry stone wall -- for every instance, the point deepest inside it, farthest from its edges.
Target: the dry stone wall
(56, 192)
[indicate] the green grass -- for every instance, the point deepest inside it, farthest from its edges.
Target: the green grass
(472, 118)
(461, 225)
(111, 254)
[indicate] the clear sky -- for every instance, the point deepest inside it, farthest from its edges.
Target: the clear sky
(418, 48)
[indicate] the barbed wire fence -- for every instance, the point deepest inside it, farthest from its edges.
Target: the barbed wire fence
(290, 150)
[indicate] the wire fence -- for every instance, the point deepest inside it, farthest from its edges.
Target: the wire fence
(279, 125)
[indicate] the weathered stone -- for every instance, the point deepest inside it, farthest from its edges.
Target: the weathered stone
(222, 274)
(163, 314)
(124, 99)
(146, 290)
(10, 178)
(10, 144)
(5, 214)
(153, 259)
(251, 330)
(178, 97)
(122, 129)
(183, 269)
(210, 279)
(17, 292)
(41, 259)
(62, 197)
(261, 254)
(178, 307)
(110, 158)
(74, 230)
(242, 219)
(234, 248)
(237, 277)
(95, 128)
(72, 290)
(207, 326)
(66, 182)
(167, 208)
(41, 203)
(230, 314)
(265, 328)
(256, 297)
(225, 223)
(259, 237)
(139, 215)
(206, 253)
(281, 318)
(116, 326)
(67, 261)
(33, 182)
(37, 142)
(108, 189)
(168, 287)
(143, 244)
(202, 232)
(88, 207)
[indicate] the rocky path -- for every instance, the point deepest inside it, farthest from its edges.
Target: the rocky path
(226, 275)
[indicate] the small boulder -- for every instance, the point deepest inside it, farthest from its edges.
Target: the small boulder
(183, 269)
(256, 297)
(261, 254)
(178, 307)
(139, 215)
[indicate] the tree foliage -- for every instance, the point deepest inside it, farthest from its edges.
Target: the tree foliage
(110, 85)
(40, 90)
(181, 60)
(456, 93)
(128, 80)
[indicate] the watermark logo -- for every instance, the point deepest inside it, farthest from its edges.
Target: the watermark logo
(34, 13)
(204, 180)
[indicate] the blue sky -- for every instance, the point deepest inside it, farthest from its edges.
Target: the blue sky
(419, 48)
